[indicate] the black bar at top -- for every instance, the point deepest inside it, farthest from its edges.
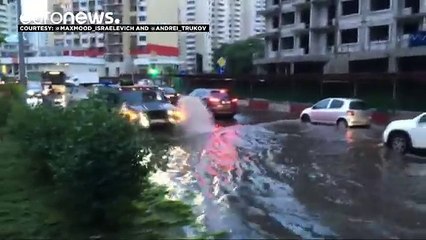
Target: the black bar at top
(114, 28)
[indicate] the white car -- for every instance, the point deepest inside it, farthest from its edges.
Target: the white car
(343, 112)
(404, 135)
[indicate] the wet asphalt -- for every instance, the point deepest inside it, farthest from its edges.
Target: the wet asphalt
(262, 176)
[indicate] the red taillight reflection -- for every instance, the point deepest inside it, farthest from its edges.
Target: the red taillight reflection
(235, 100)
(350, 113)
(214, 100)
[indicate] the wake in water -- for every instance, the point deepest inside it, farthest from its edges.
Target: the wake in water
(198, 118)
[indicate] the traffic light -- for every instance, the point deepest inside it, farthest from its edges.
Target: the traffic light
(153, 71)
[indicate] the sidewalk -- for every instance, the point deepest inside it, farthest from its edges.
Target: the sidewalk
(378, 118)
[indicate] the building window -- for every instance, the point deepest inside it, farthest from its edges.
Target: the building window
(288, 18)
(287, 43)
(142, 9)
(350, 7)
(275, 22)
(379, 33)
(142, 38)
(349, 35)
(377, 5)
(142, 18)
(274, 45)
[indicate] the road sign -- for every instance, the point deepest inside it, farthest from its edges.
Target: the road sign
(221, 70)
(221, 61)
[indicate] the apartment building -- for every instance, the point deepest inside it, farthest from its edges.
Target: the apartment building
(8, 18)
(198, 46)
(341, 36)
(123, 52)
(252, 23)
(229, 20)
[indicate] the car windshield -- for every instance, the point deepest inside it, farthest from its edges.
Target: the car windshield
(169, 91)
(139, 97)
(358, 105)
(219, 94)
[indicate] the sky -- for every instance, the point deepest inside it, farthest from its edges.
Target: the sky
(34, 7)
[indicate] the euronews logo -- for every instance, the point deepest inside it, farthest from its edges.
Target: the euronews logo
(71, 18)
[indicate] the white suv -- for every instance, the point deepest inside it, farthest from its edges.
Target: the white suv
(404, 135)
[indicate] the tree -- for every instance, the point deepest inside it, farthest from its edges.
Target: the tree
(2, 39)
(239, 55)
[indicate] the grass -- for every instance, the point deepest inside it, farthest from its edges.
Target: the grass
(23, 206)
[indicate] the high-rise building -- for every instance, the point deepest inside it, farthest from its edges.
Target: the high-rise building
(123, 52)
(253, 23)
(198, 48)
(8, 18)
(230, 21)
(344, 36)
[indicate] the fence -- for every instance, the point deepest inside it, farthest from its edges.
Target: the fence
(382, 91)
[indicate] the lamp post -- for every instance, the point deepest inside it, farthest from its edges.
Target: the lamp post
(21, 47)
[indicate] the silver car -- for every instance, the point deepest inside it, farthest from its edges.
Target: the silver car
(343, 112)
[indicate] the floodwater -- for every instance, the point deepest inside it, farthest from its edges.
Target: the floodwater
(285, 179)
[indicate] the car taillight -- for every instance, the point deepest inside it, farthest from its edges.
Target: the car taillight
(234, 100)
(214, 100)
(350, 113)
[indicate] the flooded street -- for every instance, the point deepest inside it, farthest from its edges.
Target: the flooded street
(282, 179)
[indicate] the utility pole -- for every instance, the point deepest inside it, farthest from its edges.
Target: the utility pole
(21, 47)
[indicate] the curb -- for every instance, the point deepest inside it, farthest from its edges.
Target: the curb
(294, 108)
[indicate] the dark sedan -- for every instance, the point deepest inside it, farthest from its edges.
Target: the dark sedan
(147, 106)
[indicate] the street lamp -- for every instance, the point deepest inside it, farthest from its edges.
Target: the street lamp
(21, 48)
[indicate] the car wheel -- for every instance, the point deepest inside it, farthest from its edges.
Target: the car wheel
(342, 124)
(399, 142)
(305, 118)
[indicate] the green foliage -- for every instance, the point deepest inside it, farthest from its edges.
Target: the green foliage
(96, 166)
(8, 94)
(2, 38)
(91, 156)
(239, 55)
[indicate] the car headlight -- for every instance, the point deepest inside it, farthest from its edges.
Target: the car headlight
(144, 120)
(176, 116)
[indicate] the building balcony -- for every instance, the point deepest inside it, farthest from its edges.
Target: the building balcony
(378, 46)
(269, 33)
(301, 3)
(270, 10)
(293, 52)
(409, 14)
(271, 54)
(113, 2)
(348, 48)
(299, 28)
(321, 1)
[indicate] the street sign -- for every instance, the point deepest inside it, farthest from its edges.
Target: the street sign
(221, 62)
(221, 70)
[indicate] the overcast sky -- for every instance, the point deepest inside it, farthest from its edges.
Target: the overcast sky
(34, 7)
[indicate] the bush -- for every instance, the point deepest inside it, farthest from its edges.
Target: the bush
(95, 162)
(92, 157)
(8, 94)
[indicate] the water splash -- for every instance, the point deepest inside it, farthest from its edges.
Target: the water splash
(198, 118)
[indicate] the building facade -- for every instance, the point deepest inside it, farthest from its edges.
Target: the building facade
(253, 23)
(123, 52)
(8, 18)
(229, 20)
(344, 36)
(198, 46)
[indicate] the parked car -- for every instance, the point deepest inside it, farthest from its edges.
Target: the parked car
(218, 101)
(343, 112)
(405, 135)
(146, 106)
(170, 94)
